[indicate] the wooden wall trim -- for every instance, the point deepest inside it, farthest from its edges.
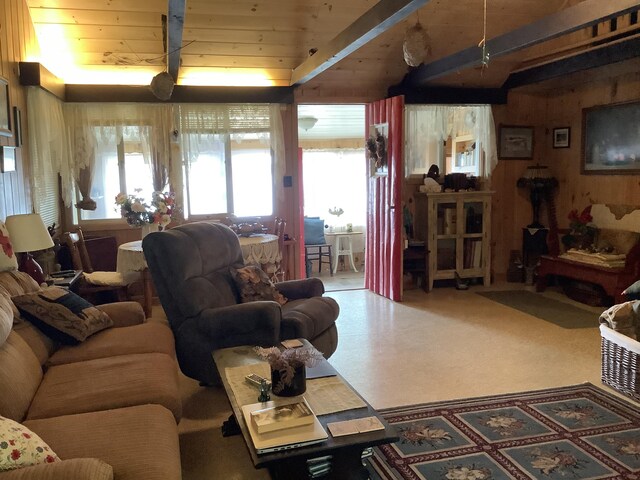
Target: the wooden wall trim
(33, 74)
(449, 96)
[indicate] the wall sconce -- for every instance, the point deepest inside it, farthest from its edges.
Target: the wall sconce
(28, 234)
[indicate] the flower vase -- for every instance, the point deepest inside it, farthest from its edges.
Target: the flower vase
(297, 386)
(147, 228)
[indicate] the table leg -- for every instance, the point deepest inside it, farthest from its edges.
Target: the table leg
(336, 253)
(147, 292)
(350, 242)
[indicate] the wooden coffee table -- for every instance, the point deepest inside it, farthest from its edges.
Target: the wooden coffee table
(344, 454)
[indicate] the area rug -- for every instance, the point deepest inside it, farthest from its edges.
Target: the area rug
(577, 432)
(559, 313)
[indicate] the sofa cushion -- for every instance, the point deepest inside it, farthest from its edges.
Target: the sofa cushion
(20, 376)
(254, 284)
(62, 314)
(20, 447)
(18, 283)
(8, 259)
(308, 318)
(145, 338)
(73, 469)
(106, 383)
(139, 442)
(6, 316)
(42, 345)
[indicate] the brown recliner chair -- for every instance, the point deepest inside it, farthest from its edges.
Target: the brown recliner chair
(191, 269)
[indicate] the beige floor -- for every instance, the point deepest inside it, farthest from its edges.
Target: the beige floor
(447, 344)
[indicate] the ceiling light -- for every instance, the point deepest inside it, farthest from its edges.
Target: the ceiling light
(307, 123)
(416, 45)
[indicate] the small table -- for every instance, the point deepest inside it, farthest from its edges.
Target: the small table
(343, 246)
(131, 259)
(67, 281)
(345, 452)
(260, 249)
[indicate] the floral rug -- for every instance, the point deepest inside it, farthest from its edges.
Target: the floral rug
(578, 432)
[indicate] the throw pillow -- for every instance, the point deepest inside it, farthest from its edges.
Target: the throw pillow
(20, 447)
(254, 284)
(632, 292)
(8, 260)
(62, 315)
(314, 231)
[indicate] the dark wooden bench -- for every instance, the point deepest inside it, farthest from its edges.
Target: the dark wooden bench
(612, 280)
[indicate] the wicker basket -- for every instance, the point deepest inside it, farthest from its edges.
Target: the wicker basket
(620, 362)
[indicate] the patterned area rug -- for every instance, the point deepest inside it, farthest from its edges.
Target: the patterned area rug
(578, 432)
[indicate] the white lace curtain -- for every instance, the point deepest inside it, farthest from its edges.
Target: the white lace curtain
(428, 126)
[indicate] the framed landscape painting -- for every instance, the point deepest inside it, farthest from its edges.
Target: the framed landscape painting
(611, 139)
(515, 143)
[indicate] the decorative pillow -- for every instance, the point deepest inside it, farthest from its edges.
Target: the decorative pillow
(314, 231)
(20, 447)
(632, 292)
(8, 260)
(62, 315)
(254, 284)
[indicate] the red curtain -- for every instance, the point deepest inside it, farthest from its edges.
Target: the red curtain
(383, 260)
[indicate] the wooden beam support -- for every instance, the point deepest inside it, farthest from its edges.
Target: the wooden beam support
(449, 95)
(34, 74)
(584, 14)
(384, 15)
(181, 94)
(602, 56)
(174, 36)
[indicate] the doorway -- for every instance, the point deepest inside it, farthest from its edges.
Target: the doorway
(334, 181)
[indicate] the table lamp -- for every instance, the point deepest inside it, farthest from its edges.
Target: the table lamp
(28, 234)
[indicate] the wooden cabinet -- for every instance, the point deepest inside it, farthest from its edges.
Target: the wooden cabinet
(456, 228)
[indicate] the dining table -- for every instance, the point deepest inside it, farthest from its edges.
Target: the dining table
(131, 259)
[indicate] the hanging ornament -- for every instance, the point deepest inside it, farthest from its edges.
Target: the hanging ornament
(484, 59)
(416, 46)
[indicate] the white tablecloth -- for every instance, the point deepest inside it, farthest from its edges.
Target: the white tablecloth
(131, 257)
(260, 249)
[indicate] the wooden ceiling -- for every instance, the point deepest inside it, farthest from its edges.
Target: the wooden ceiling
(261, 42)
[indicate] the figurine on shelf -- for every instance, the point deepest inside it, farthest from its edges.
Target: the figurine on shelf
(264, 391)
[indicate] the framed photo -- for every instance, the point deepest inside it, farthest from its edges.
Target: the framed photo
(610, 143)
(561, 137)
(515, 143)
(377, 149)
(17, 125)
(7, 159)
(5, 108)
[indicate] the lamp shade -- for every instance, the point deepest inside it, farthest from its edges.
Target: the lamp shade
(307, 123)
(28, 233)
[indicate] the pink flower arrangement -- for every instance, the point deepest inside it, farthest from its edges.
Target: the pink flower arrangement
(137, 212)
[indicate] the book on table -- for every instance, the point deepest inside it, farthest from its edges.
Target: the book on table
(278, 417)
(283, 439)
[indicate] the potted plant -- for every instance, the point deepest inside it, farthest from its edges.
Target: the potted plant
(288, 368)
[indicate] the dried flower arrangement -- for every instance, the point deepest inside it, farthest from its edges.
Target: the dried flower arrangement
(287, 361)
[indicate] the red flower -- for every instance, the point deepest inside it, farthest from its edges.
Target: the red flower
(26, 435)
(15, 454)
(50, 459)
(12, 442)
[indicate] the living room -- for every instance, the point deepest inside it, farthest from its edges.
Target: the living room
(457, 344)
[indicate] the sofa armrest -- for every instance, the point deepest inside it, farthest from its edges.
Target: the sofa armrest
(72, 469)
(253, 323)
(305, 288)
(124, 314)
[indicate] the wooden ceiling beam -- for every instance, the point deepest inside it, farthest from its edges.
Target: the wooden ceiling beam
(175, 28)
(384, 15)
(584, 14)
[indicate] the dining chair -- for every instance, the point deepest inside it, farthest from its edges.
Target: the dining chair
(315, 245)
(94, 283)
(279, 274)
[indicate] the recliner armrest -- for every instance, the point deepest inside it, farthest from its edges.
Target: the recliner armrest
(124, 314)
(305, 288)
(253, 323)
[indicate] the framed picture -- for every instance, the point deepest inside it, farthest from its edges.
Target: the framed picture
(377, 149)
(17, 125)
(561, 137)
(7, 159)
(515, 143)
(5, 108)
(610, 136)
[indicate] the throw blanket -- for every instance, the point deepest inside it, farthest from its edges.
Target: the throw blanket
(608, 260)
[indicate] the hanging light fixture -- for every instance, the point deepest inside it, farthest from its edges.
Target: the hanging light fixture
(416, 46)
(162, 86)
(307, 123)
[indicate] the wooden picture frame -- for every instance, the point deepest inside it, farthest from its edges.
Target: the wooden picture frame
(562, 137)
(515, 142)
(610, 139)
(377, 149)
(5, 108)
(7, 159)
(17, 125)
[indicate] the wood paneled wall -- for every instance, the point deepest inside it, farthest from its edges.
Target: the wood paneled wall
(559, 107)
(17, 43)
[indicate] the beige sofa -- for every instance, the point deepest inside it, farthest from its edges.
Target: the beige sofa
(108, 407)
